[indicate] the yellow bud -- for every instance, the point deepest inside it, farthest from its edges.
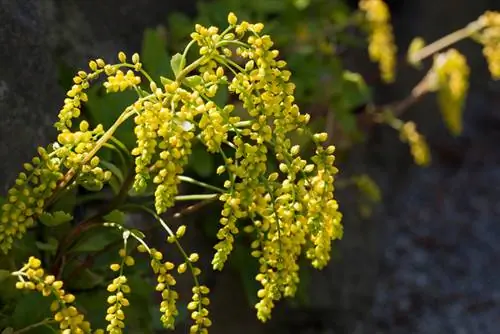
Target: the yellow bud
(273, 177)
(69, 298)
(54, 306)
(182, 268)
(129, 261)
(232, 19)
(34, 263)
(321, 137)
(180, 231)
(135, 58)
(221, 169)
(158, 256)
(93, 65)
(192, 306)
(194, 257)
(115, 267)
(295, 150)
(141, 248)
(122, 57)
(283, 167)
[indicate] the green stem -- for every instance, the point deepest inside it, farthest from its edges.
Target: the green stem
(38, 324)
(176, 241)
(190, 67)
(186, 50)
(199, 183)
(446, 41)
(195, 197)
(228, 62)
(98, 145)
(140, 70)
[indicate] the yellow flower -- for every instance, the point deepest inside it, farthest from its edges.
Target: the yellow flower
(381, 45)
(418, 146)
(490, 38)
(32, 277)
(452, 74)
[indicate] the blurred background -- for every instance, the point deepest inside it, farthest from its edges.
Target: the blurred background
(421, 248)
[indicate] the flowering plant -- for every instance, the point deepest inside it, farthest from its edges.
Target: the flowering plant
(275, 191)
(288, 212)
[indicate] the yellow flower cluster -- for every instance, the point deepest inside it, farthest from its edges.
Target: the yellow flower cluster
(199, 311)
(162, 133)
(418, 146)
(381, 47)
(293, 209)
(452, 82)
(490, 38)
(115, 315)
(165, 285)
(75, 151)
(33, 277)
(27, 198)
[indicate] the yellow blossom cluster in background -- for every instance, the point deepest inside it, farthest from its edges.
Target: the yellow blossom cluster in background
(418, 146)
(452, 83)
(490, 38)
(381, 47)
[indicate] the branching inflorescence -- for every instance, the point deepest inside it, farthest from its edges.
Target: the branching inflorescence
(289, 211)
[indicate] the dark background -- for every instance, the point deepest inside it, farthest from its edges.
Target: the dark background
(428, 260)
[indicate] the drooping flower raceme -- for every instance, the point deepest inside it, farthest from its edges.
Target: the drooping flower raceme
(285, 202)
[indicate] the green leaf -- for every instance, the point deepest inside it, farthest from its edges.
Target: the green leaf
(165, 81)
(49, 246)
(355, 92)
(67, 200)
(138, 233)
(193, 81)
(94, 300)
(247, 266)
(8, 330)
(4, 274)
(115, 216)
(30, 308)
(97, 241)
(221, 97)
(302, 4)
(177, 63)
(85, 280)
(105, 108)
(55, 218)
(113, 169)
(201, 162)
(154, 54)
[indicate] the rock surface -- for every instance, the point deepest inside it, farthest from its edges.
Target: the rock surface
(436, 237)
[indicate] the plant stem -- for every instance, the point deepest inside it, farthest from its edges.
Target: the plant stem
(30, 327)
(199, 183)
(195, 197)
(98, 145)
(446, 41)
(190, 68)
